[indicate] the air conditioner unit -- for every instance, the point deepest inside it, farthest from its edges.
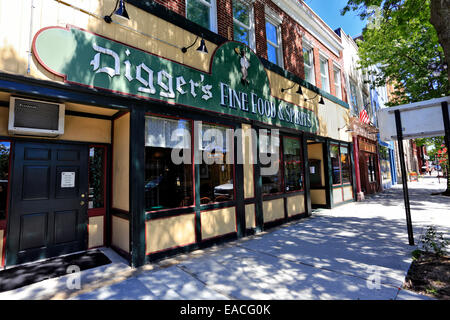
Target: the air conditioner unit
(35, 118)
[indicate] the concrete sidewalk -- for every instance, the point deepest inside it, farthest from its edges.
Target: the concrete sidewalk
(355, 251)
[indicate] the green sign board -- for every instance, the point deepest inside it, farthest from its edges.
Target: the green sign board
(237, 83)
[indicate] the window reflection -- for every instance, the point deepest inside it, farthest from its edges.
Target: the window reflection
(345, 165)
(96, 177)
(334, 155)
(270, 147)
(167, 185)
(216, 176)
(293, 178)
(5, 148)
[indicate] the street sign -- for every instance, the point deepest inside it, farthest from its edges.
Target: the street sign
(419, 120)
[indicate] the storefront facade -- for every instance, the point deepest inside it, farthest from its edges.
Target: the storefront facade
(152, 150)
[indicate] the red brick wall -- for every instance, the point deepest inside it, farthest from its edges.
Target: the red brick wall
(225, 18)
(292, 47)
(331, 76)
(179, 6)
(317, 66)
(260, 30)
(291, 34)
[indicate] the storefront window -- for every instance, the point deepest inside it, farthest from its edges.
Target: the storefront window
(371, 168)
(293, 177)
(345, 165)
(385, 163)
(334, 155)
(269, 149)
(4, 177)
(96, 177)
(216, 175)
(167, 185)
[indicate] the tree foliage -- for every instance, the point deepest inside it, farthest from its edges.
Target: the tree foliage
(404, 44)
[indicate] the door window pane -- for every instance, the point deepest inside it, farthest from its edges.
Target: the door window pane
(5, 148)
(96, 177)
(345, 165)
(334, 155)
(167, 185)
(269, 146)
(199, 12)
(293, 177)
(216, 176)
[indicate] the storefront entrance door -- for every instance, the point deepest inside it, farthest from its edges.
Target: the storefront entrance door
(48, 214)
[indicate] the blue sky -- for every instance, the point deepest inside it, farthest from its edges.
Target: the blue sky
(329, 11)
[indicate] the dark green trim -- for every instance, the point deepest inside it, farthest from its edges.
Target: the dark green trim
(118, 114)
(217, 205)
(352, 162)
(249, 200)
(108, 196)
(328, 169)
(137, 186)
(306, 181)
(169, 213)
(257, 180)
(87, 115)
(47, 140)
(342, 185)
(57, 92)
(239, 187)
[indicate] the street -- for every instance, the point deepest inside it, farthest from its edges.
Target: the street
(355, 251)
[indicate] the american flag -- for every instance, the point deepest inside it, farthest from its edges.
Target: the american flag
(364, 117)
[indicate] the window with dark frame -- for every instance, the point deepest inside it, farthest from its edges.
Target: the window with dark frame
(340, 162)
(167, 185)
(216, 175)
(270, 146)
(292, 162)
(5, 151)
(371, 168)
(289, 177)
(345, 165)
(96, 196)
(335, 164)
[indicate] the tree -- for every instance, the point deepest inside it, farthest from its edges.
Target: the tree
(437, 13)
(409, 42)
